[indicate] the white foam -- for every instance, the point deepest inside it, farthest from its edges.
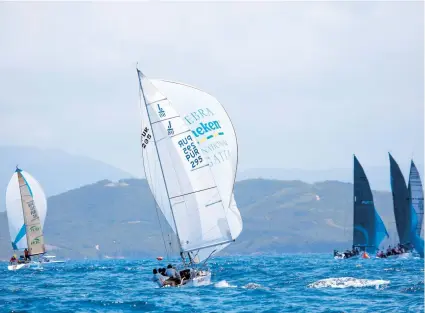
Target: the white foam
(223, 284)
(252, 286)
(348, 282)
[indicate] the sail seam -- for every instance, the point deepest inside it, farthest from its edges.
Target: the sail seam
(189, 193)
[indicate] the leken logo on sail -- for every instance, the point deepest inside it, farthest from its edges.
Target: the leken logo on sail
(207, 130)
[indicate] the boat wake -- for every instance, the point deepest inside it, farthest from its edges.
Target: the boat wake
(223, 284)
(348, 282)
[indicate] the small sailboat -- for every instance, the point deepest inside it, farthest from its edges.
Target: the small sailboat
(26, 212)
(368, 228)
(183, 130)
(416, 205)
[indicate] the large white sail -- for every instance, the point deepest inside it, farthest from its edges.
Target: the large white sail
(26, 212)
(185, 190)
(214, 132)
(416, 197)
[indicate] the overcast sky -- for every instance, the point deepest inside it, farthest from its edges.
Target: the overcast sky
(305, 84)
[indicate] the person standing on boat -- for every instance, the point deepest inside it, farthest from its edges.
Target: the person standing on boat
(27, 255)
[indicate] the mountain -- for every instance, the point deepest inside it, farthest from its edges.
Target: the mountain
(379, 177)
(57, 171)
(279, 216)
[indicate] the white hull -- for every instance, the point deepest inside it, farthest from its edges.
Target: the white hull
(32, 265)
(202, 280)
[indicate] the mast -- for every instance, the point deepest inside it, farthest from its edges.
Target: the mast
(159, 159)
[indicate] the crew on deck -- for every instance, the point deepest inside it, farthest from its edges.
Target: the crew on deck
(27, 255)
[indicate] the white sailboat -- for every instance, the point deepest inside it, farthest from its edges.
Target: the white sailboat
(189, 153)
(26, 212)
(26, 207)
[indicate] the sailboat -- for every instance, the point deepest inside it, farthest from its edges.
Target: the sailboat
(368, 228)
(26, 211)
(403, 211)
(416, 205)
(189, 153)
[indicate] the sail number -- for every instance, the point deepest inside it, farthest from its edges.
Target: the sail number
(192, 155)
(145, 137)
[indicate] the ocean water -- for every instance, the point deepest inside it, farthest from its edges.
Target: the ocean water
(287, 283)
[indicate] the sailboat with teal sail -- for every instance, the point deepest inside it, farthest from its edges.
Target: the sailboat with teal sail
(416, 205)
(193, 192)
(368, 228)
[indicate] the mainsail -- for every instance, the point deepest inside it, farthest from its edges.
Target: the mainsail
(213, 131)
(179, 175)
(402, 211)
(416, 205)
(368, 227)
(26, 212)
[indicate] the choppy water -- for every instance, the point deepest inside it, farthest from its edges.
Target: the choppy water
(288, 283)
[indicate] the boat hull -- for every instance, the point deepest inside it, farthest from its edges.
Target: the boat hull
(202, 280)
(16, 267)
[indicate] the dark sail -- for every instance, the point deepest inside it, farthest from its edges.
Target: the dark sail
(368, 227)
(402, 211)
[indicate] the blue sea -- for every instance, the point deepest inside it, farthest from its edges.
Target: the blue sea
(286, 283)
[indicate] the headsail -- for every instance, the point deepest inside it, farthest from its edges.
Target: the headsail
(26, 212)
(416, 205)
(402, 211)
(368, 227)
(216, 137)
(185, 190)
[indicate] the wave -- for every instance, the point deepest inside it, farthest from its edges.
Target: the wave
(348, 282)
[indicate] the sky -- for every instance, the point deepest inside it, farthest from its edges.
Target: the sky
(306, 84)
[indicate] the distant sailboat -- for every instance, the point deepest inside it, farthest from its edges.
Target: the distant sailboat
(416, 205)
(26, 212)
(402, 212)
(369, 229)
(194, 193)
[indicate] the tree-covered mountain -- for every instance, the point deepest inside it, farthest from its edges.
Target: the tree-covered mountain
(279, 216)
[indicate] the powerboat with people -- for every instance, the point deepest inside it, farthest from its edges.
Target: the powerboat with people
(189, 152)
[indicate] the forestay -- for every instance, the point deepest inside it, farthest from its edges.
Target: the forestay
(213, 131)
(178, 174)
(26, 212)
